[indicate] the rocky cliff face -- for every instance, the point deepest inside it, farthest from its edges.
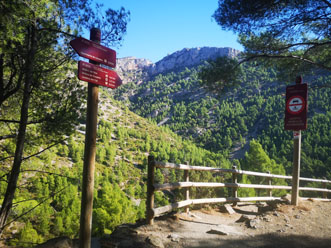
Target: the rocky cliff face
(189, 57)
(135, 70)
(131, 69)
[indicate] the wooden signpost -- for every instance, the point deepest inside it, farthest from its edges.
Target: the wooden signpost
(96, 75)
(296, 120)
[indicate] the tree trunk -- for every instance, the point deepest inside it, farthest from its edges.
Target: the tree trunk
(15, 171)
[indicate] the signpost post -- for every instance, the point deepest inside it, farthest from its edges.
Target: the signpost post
(296, 120)
(95, 75)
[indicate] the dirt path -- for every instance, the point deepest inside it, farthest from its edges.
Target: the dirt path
(278, 225)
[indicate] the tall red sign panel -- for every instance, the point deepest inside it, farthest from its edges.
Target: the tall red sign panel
(296, 107)
(98, 75)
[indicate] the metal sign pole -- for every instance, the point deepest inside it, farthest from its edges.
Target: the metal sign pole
(296, 167)
(89, 157)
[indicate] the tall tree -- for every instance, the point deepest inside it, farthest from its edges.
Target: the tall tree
(35, 72)
(292, 35)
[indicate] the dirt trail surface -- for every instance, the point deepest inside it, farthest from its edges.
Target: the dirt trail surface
(250, 225)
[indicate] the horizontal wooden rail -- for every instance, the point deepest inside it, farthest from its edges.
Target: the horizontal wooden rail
(159, 164)
(154, 212)
(315, 189)
(178, 185)
(170, 207)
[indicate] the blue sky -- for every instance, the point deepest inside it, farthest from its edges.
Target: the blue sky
(161, 27)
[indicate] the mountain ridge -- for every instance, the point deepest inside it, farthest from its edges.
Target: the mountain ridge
(133, 69)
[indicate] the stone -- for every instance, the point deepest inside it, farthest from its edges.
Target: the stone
(155, 241)
(287, 198)
(266, 219)
(276, 214)
(60, 242)
(226, 208)
(254, 223)
(244, 218)
(217, 231)
(174, 237)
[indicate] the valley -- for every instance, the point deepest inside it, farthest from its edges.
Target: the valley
(172, 116)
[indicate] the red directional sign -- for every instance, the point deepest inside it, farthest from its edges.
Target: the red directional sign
(98, 75)
(296, 107)
(94, 51)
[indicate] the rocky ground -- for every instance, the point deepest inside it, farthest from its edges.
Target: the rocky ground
(267, 225)
(250, 225)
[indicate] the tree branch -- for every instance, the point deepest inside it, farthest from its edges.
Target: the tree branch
(327, 3)
(9, 136)
(47, 148)
(28, 211)
(284, 57)
(50, 173)
(57, 31)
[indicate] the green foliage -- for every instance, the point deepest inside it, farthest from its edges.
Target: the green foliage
(220, 73)
(27, 237)
(257, 160)
(293, 35)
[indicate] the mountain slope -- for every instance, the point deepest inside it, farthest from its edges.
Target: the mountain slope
(50, 183)
(227, 123)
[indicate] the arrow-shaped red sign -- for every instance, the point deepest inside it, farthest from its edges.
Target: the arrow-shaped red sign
(98, 75)
(94, 51)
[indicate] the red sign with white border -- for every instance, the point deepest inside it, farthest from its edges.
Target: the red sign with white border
(98, 75)
(296, 107)
(94, 51)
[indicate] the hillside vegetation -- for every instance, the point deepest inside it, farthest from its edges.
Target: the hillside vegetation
(226, 123)
(48, 200)
(175, 119)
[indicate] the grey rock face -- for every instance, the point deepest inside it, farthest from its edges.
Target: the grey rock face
(188, 57)
(131, 64)
(132, 69)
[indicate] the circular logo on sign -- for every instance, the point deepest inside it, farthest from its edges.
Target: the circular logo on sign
(295, 105)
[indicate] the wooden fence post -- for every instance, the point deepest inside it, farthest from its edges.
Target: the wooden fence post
(325, 194)
(234, 189)
(150, 191)
(269, 182)
(187, 191)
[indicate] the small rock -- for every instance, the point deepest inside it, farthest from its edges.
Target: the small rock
(254, 223)
(217, 231)
(60, 242)
(155, 241)
(287, 219)
(227, 209)
(244, 218)
(266, 219)
(195, 216)
(287, 198)
(174, 237)
(276, 214)
(281, 230)
(297, 216)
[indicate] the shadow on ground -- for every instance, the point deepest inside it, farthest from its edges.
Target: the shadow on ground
(265, 241)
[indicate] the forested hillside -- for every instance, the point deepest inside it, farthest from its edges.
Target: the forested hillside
(226, 123)
(48, 199)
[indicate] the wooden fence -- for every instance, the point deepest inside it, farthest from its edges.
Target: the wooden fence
(152, 212)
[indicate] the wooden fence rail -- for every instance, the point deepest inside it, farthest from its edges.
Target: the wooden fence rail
(152, 212)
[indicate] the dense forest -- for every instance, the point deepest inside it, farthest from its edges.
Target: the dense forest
(48, 199)
(226, 123)
(183, 123)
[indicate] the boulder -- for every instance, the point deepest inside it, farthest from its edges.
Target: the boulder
(60, 242)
